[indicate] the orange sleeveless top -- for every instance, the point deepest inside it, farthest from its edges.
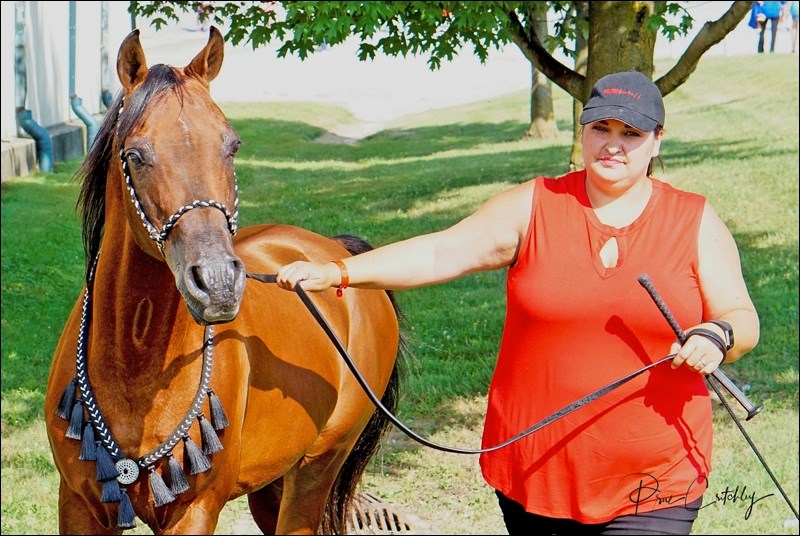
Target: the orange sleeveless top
(573, 326)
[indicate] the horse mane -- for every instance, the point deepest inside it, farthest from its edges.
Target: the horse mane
(115, 128)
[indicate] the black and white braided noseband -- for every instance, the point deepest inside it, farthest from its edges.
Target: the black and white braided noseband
(160, 237)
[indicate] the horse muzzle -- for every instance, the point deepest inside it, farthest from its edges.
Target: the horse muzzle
(209, 276)
(213, 289)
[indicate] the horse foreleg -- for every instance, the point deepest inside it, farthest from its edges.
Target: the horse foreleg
(265, 505)
(200, 517)
(76, 516)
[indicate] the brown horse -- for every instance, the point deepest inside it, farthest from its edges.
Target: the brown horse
(178, 384)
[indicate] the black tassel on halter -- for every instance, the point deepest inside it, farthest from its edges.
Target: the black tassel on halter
(106, 468)
(125, 515)
(88, 448)
(64, 409)
(218, 417)
(208, 436)
(193, 458)
(111, 492)
(75, 428)
(177, 478)
(161, 493)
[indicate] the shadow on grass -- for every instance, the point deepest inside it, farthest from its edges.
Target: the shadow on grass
(393, 185)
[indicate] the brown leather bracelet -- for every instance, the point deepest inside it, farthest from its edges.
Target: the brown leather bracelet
(711, 336)
(345, 279)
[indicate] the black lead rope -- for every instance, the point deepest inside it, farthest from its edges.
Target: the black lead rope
(566, 410)
(264, 278)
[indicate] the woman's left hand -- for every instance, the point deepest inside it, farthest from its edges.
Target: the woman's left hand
(697, 353)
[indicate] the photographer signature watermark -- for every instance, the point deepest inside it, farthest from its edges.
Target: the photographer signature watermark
(646, 490)
(739, 494)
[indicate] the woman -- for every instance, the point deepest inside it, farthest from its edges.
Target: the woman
(638, 458)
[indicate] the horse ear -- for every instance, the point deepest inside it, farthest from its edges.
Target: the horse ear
(208, 62)
(131, 63)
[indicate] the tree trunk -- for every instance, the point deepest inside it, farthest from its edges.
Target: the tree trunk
(619, 40)
(543, 122)
(581, 58)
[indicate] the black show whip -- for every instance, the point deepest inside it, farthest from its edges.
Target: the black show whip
(752, 410)
(720, 377)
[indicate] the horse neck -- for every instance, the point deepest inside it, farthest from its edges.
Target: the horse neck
(136, 306)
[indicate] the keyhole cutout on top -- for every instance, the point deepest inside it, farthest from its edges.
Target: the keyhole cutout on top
(609, 253)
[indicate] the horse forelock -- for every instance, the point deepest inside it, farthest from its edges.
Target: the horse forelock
(161, 79)
(104, 152)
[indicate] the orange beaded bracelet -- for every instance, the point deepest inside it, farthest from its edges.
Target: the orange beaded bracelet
(345, 278)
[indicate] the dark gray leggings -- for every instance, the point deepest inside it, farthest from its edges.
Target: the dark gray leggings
(672, 520)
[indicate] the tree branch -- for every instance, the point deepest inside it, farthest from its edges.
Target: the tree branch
(530, 45)
(711, 34)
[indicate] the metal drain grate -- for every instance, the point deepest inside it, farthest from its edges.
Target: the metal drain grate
(371, 516)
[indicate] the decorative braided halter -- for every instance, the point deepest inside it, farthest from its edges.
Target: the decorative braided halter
(160, 237)
(115, 470)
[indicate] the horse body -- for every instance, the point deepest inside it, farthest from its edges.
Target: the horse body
(300, 429)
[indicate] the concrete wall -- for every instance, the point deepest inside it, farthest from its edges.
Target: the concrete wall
(45, 90)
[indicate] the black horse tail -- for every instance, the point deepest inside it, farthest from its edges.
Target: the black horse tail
(340, 500)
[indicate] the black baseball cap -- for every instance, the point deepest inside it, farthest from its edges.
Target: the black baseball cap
(629, 97)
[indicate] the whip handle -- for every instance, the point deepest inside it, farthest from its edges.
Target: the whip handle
(752, 409)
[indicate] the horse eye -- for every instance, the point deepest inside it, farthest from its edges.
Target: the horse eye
(134, 158)
(235, 147)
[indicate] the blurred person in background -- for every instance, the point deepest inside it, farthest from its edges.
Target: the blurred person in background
(768, 12)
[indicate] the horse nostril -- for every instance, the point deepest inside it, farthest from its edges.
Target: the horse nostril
(238, 268)
(198, 279)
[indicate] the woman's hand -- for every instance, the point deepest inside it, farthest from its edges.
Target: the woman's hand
(698, 353)
(312, 276)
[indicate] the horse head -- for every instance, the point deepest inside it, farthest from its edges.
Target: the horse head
(176, 151)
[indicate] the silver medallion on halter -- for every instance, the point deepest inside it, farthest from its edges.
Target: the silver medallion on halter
(128, 471)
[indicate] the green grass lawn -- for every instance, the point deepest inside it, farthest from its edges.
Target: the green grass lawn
(731, 134)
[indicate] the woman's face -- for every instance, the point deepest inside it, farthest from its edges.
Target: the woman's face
(616, 152)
